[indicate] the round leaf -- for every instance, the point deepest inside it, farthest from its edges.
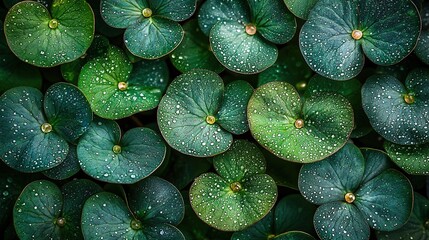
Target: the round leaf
(106, 157)
(36, 211)
(117, 89)
(67, 110)
(300, 8)
(274, 111)
(412, 159)
(239, 51)
(384, 100)
(232, 114)
(339, 220)
(194, 52)
(47, 39)
(329, 180)
(192, 99)
(25, 147)
(69, 167)
(386, 201)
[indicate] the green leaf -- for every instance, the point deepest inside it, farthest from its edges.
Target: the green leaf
(295, 131)
(331, 179)
(232, 114)
(300, 8)
(164, 205)
(422, 47)
(194, 52)
(67, 110)
(105, 156)
(122, 14)
(25, 147)
(294, 235)
(117, 89)
(339, 220)
(47, 39)
(350, 89)
(273, 20)
(334, 53)
(106, 215)
(239, 51)
(178, 10)
(241, 161)
(376, 162)
(290, 67)
(164, 34)
(416, 226)
(69, 167)
(412, 159)
(384, 100)
(186, 114)
(212, 11)
(240, 195)
(386, 201)
(36, 211)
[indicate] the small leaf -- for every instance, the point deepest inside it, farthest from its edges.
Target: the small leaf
(300, 8)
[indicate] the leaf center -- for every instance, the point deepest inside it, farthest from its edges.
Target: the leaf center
(46, 128)
(147, 12)
(235, 186)
(250, 29)
(117, 149)
(357, 34)
(122, 86)
(60, 222)
(299, 123)
(210, 119)
(136, 224)
(53, 23)
(350, 197)
(409, 99)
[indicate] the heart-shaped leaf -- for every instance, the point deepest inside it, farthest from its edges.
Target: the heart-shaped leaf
(33, 142)
(43, 211)
(69, 167)
(329, 180)
(399, 113)
(290, 67)
(149, 215)
(186, 114)
(350, 89)
(240, 195)
(386, 201)
(49, 38)
(104, 155)
(117, 89)
(358, 29)
(412, 159)
(151, 26)
(300, 8)
(416, 226)
(194, 52)
(295, 131)
(292, 213)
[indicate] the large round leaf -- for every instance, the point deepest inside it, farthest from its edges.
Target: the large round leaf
(186, 114)
(116, 89)
(386, 31)
(295, 131)
(25, 145)
(412, 159)
(399, 113)
(416, 226)
(194, 52)
(49, 38)
(240, 195)
(339, 220)
(151, 26)
(104, 155)
(386, 201)
(329, 180)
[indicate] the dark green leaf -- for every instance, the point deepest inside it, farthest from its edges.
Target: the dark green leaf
(105, 156)
(422, 47)
(376, 162)
(386, 201)
(412, 159)
(329, 180)
(35, 39)
(69, 167)
(300, 8)
(177, 10)
(186, 114)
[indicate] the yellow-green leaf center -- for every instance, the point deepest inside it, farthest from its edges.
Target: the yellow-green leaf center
(136, 224)
(235, 186)
(60, 222)
(53, 23)
(350, 197)
(250, 29)
(117, 149)
(299, 123)
(409, 99)
(46, 128)
(210, 120)
(122, 86)
(147, 12)
(357, 34)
